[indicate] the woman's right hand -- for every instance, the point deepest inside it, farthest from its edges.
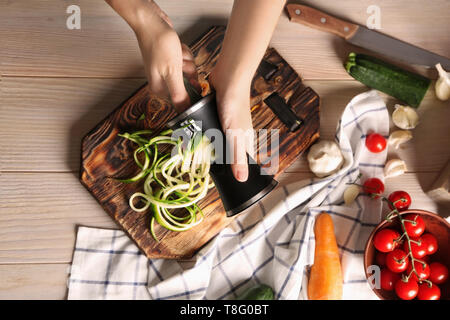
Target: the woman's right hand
(165, 58)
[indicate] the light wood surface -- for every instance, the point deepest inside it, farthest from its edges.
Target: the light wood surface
(34, 282)
(56, 84)
(53, 114)
(36, 41)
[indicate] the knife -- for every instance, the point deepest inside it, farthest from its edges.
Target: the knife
(364, 37)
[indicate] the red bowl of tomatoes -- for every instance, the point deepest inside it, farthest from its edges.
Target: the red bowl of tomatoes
(387, 258)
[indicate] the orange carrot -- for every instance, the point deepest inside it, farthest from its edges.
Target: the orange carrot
(325, 281)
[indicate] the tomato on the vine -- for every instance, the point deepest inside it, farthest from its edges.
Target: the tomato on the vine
(429, 291)
(374, 186)
(388, 279)
(375, 142)
(438, 273)
(417, 251)
(422, 269)
(431, 243)
(406, 290)
(400, 199)
(416, 227)
(397, 260)
(384, 240)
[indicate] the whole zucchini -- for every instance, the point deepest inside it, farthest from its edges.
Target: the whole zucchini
(258, 292)
(401, 84)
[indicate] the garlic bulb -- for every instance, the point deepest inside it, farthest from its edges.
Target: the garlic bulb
(325, 158)
(442, 86)
(399, 137)
(405, 117)
(351, 193)
(394, 167)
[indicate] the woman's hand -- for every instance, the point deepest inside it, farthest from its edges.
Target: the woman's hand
(165, 57)
(165, 60)
(248, 34)
(233, 106)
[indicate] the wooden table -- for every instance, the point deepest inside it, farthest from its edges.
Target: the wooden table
(56, 84)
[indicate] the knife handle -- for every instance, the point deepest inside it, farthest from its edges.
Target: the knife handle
(317, 19)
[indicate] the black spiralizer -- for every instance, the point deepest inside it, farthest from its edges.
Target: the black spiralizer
(236, 196)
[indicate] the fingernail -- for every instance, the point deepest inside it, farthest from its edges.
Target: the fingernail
(242, 175)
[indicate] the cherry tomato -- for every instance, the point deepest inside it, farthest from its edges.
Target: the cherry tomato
(418, 251)
(416, 228)
(388, 279)
(406, 290)
(384, 240)
(373, 186)
(429, 292)
(430, 243)
(401, 200)
(426, 259)
(397, 261)
(422, 270)
(438, 273)
(380, 259)
(375, 142)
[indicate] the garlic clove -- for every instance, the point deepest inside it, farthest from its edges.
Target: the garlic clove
(325, 158)
(394, 168)
(405, 117)
(351, 193)
(399, 137)
(442, 86)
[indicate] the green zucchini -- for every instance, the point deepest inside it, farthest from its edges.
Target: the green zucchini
(258, 292)
(377, 74)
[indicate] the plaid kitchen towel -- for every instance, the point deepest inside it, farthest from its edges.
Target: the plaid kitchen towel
(272, 243)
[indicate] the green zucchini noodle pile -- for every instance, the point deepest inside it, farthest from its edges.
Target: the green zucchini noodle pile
(173, 180)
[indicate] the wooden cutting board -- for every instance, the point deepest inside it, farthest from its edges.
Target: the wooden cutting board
(106, 156)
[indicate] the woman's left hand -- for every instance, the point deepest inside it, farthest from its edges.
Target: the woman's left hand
(233, 106)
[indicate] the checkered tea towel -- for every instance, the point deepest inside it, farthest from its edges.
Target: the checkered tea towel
(272, 243)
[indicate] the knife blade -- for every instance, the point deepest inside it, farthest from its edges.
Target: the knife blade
(364, 37)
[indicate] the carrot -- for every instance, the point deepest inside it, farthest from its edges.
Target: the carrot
(325, 281)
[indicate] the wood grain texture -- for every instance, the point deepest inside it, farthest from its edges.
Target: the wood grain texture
(36, 42)
(39, 214)
(106, 156)
(53, 115)
(33, 282)
(47, 117)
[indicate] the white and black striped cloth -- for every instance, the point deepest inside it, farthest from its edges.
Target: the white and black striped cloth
(273, 243)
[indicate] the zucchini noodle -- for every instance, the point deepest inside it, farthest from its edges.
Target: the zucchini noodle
(174, 180)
